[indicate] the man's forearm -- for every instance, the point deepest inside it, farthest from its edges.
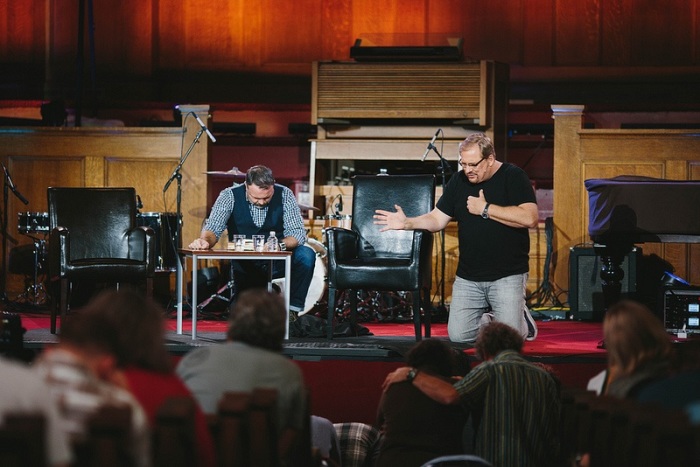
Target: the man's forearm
(436, 388)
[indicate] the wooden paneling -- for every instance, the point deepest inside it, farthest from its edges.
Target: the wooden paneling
(150, 39)
(144, 158)
(581, 154)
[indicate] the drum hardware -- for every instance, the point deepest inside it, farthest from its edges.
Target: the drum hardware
(34, 292)
(377, 306)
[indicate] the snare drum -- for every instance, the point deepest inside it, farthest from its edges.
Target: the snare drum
(319, 282)
(33, 222)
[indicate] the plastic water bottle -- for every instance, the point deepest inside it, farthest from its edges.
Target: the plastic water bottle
(272, 243)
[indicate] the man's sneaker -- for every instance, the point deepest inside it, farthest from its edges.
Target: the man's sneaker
(531, 325)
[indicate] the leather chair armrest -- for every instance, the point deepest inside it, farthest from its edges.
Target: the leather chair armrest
(59, 251)
(422, 245)
(142, 246)
(343, 244)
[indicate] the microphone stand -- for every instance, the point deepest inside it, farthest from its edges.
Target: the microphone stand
(176, 175)
(8, 185)
(444, 168)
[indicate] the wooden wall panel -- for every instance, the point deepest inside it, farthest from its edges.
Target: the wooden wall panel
(577, 33)
(662, 31)
(151, 40)
(616, 33)
(22, 31)
(538, 37)
(582, 154)
(144, 158)
(493, 28)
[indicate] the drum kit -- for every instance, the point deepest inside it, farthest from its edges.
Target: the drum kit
(30, 259)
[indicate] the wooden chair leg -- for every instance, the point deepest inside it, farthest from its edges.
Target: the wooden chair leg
(331, 311)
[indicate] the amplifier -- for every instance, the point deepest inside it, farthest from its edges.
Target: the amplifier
(682, 310)
(586, 300)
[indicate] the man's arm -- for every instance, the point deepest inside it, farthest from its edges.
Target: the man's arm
(522, 215)
(437, 389)
(433, 221)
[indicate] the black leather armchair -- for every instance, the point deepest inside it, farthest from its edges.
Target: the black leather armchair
(364, 258)
(94, 237)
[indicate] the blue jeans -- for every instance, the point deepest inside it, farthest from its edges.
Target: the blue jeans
(504, 297)
(255, 274)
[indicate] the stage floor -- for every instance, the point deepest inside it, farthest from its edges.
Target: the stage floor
(557, 339)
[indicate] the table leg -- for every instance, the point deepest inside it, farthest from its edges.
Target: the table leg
(179, 293)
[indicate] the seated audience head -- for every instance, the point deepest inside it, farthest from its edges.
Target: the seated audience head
(496, 337)
(435, 357)
(93, 339)
(258, 318)
(138, 325)
(634, 337)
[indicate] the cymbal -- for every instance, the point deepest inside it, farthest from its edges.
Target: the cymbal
(234, 172)
(306, 206)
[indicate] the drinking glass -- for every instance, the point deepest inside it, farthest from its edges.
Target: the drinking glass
(259, 242)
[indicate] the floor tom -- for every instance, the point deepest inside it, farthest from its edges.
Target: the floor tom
(165, 225)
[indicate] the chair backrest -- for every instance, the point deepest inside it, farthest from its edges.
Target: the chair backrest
(98, 219)
(414, 193)
(173, 434)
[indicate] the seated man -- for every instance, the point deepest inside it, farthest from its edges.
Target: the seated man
(258, 207)
(252, 358)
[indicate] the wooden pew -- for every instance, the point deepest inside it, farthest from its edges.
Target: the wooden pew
(107, 441)
(174, 439)
(23, 440)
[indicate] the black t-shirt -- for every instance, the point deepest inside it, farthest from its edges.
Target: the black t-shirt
(489, 250)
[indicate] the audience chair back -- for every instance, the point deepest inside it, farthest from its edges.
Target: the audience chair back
(23, 440)
(174, 440)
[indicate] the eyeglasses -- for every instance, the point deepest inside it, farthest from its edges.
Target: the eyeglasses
(470, 165)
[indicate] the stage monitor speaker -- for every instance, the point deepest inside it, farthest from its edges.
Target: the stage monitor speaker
(586, 300)
(682, 309)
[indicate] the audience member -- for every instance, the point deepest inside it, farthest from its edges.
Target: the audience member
(681, 390)
(514, 402)
(146, 367)
(23, 391)
(251, 358)
(415, 427)
(639, 351)
(80, 372)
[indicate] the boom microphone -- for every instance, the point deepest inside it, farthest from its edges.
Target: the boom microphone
(201, 123)
(430, 144)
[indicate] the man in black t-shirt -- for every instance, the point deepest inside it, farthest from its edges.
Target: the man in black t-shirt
(494, 205)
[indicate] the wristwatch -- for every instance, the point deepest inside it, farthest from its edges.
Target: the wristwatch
(485, 212)
(283, 246)
(412, 373)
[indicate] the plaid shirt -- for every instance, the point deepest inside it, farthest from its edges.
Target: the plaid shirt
(223, 207)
